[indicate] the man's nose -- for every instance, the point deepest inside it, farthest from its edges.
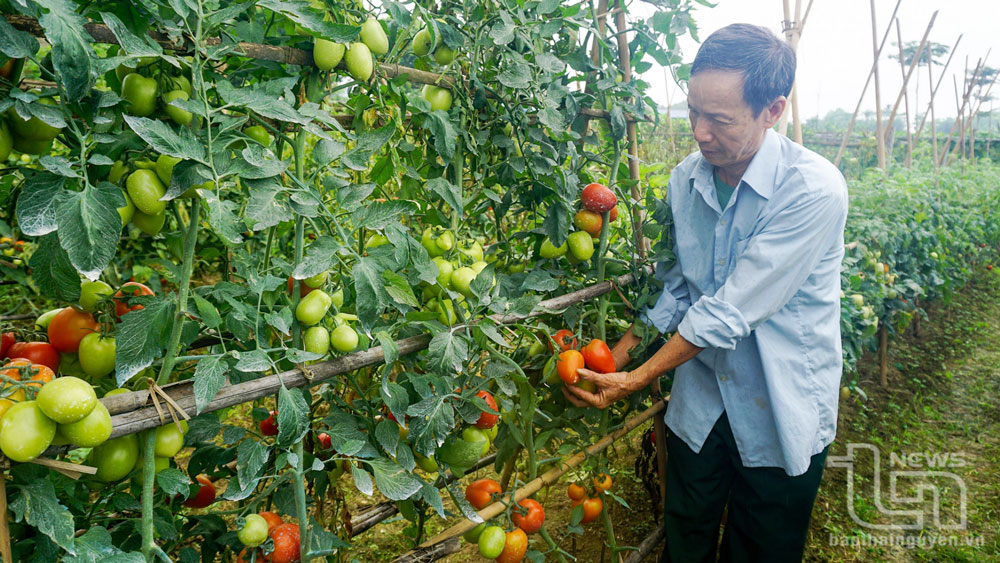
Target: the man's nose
(701, 131)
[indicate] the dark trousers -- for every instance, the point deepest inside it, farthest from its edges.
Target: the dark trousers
(768, 510)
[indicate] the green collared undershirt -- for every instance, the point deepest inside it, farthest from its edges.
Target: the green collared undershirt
(723, 191)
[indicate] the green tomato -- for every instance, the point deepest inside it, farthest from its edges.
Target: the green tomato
(67, 399)
(492, 432)
(581, 245)
(549, 250)
(139, 93)
(428, 464)
(461, 278)
(446, 313)
(258, 133)
(146, 189)
(128, 210)
(474, 251)
(27, 146)
(317, 281)
(170, 439)
(444, 55)
(491, 542)
(89, 432)
(360, 64)
(344, 339)
(43, 320)
(25, 431)
(254, 530)
(421, 44)
(445, 270)
(473, 434)
(118, 171)
(316, 340)
(374, 37)
(33, 129)
(165, 168)
(92, 292)
(179, 115)
(439, 98)
(327, 54)
(115, 458)
(472, 536)
(179, 82)
(97, 355)
(376, 240)
(338, 298)
(6, 141)
(149, 224)
(313, 307)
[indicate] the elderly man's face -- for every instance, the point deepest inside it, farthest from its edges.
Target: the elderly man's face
(725, 127)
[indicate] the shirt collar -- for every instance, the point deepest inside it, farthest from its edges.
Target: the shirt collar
(760, 175)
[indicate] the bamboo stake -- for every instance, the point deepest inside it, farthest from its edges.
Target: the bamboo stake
(880, 139)
(948, 149)
(930, 104)
(793, 33)
(883, 355)
(909, 73)
(902, 67)
(546, 478)
(648, 545)
(625, 65)
(861, 99)
(5, 549)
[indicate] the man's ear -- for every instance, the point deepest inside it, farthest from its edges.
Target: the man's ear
(772, 113)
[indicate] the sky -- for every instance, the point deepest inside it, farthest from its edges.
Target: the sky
(836, 52)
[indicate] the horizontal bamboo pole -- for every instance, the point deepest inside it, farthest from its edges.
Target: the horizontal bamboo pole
(131, 414)
(546, 478)
(433, 553)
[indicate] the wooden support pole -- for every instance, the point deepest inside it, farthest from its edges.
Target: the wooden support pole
(5, 550)
(906, 96)
(625, 65)
(948, 149)
(934, 89)
(648, 545)
(861, 99)
(879, 138)
(546, 478)
(909, 73)
(793, 33)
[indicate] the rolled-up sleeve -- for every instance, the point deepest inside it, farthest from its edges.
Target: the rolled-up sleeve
(776, 263)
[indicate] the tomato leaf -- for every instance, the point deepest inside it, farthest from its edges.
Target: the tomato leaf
(173, 482)
(251, 456)
(95, 546)
(259, 101)
(447, 352)
(132, 44)
(267, 206)
(370, 289)
(444, 132)
(320, 257)
(36, 504)
(224, 218)
(321, 539)
(165, 141)
(293, 416)
(252, 361)
(387, 434)
(16, 44)
(450, 193)
(89, 226)
(71, 51)
(311, 20)
(36, 206)
(400, 291)
(142, 336)
(516, 72)
(392, 480)
(394, 395)
(209, 377)
(366, 145)
(53, 271)
(362, 480)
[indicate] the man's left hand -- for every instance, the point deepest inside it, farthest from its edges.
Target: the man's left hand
(610, 388)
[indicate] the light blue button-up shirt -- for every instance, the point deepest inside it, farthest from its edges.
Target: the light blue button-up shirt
(757, 284)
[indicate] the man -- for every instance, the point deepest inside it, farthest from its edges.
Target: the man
(754, 298)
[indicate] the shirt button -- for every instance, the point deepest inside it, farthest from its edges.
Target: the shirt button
(722, 378)
(721, 262)
(722, 222)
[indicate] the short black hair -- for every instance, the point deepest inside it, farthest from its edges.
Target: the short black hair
(766, 62)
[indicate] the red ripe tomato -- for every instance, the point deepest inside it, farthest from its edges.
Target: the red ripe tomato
(602, 482)
(134, 289)
(6, 340)
(273, 520)
(205, 495)
(286, 544)
(569, 362)
(598, 198)
(269, 426)
(597, 356)
(303, 288)
(37, 352)
(487, 420)
(514, 548)
(613, 216)
(531, 521)
(69, 327)
(480, 493)
(592, 508)
(325, 445)
(560, 338)
(576, 492)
